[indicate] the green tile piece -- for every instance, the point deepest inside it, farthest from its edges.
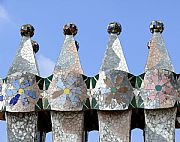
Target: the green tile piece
(130, 75)
(97, 77)
(84, 77)
(88, 83)
(89, 79)
(46, 104)
(138, 82)
(40, 82)
(93, 82)
(47, 83)
(133, 81)
(5, 80)
(142, 76)
(177, 104)
(140, 102)
(86, 105)
(39, 105)
(94, 104)
(50, 77)
(175, 76)
(133, 103)
(38, 78)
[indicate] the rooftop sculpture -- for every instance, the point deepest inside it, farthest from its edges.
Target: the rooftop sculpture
(70, 103)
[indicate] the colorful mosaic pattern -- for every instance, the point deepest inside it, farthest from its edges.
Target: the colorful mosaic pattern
(43, 84)
(137, 82)
(67, 92)
(144, 89)
(68, 64)
(91, 84)
(158, 91)
(113, 90)
(22, 92)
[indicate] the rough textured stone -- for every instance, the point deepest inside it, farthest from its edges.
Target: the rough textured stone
(114, 126)
(158, 57)
(67, 126)
(160, 125)
(22, 127)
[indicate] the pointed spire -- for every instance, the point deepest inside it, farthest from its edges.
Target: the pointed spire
(114, 57)
(158, 57)
(68, 59)
(25, 57)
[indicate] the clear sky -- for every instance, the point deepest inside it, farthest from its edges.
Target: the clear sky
(92, 18)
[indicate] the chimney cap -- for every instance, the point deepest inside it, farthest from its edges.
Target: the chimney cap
(114, 28)
(156, 26)
(70, 29)
(27, 30)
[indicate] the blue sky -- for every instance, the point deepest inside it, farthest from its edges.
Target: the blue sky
(91, 17)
